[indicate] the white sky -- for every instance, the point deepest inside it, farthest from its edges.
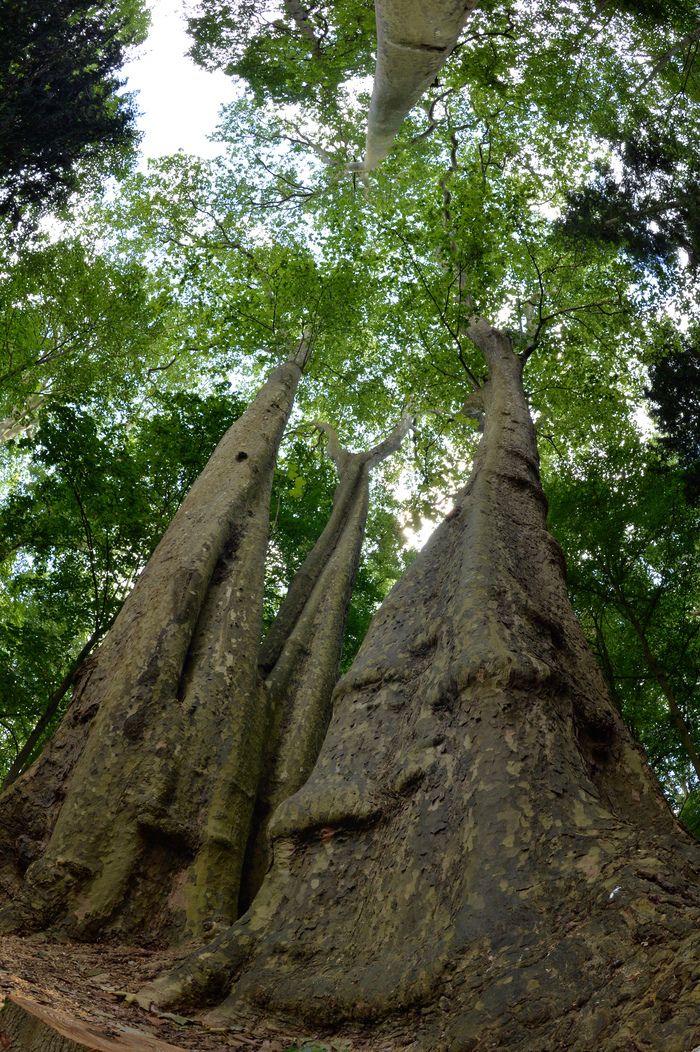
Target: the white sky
(179, 102)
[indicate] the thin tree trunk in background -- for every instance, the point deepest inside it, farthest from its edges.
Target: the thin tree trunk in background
(132, 804)
(677, 718)
(35, 735)
(481, 857)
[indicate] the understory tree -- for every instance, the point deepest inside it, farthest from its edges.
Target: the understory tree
(461, 839)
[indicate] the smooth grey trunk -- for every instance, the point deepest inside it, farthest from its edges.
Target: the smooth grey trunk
(127, 820)
(414, 40)
(481, 857)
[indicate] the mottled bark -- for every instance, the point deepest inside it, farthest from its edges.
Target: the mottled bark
(414, 40)
(481, 855)
(136, 816)
(300, 657)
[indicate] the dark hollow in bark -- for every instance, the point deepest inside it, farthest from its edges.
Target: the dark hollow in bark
(481, 855)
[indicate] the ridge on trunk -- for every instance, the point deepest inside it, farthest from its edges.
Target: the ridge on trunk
(481, 854)
(194, 734)
(127, 822)
(414, 40)
(300, 657)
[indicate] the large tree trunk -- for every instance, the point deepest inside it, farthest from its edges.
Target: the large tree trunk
(136, 816)
(414, 40)
(481, 856)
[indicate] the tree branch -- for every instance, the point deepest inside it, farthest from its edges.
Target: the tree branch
(663, 61)
(393, 440)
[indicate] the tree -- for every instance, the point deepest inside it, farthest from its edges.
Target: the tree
(498, 776)
(480, 848)
(202, 648)
(633, 581)
(61, 112)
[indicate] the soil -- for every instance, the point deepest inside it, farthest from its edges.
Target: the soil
(91, 983)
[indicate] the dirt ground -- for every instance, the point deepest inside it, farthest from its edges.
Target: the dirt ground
(89, 983)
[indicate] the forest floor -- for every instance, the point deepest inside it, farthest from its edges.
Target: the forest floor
(88, 983)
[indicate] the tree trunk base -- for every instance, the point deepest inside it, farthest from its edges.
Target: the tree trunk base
(26, 1026)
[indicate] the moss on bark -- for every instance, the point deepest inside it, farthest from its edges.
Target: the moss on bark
(137, 814)
(481, 851)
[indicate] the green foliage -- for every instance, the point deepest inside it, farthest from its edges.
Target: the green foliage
(294, 55)
(74, 324)
(86, 502)
(631, 542)
(60, 108)
(690, 814)
(650, 210)
(674, 393)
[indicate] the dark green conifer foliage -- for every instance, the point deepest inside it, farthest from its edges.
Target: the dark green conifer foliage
(60, 107)
(674, 393)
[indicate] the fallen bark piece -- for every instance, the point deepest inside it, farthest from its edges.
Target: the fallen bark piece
(26, 1026)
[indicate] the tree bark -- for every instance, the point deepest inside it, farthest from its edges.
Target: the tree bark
(31, 1027)
(481, 856)
(300, 657)
(414, 40)
(127, 823)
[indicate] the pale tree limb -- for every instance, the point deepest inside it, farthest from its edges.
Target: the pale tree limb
(300, 138)
(335, 450)
(302, 20)
(414, 40)
(393, 440)
(303, 350)
(664, 59)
